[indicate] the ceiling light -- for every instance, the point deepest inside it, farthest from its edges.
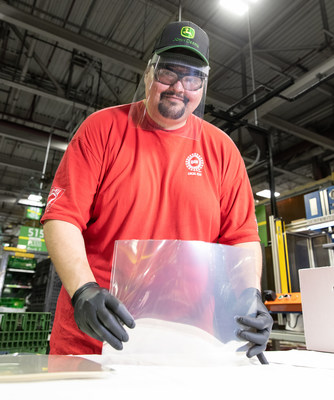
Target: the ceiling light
(266, 193)
(33, 200)
(237, 6)
(33, 203)
(35, 197)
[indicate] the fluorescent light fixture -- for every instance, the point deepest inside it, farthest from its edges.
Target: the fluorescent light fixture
(33, 200)
(266, 193)
(35, 197)
(33, 203)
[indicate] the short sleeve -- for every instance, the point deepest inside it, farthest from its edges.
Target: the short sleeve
(71, 197)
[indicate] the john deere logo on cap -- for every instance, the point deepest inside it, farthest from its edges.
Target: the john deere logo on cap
(188, 32)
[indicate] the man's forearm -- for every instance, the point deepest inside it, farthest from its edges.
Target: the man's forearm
(66, 248)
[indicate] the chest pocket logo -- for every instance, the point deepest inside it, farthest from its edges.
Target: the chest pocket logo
(195, 164)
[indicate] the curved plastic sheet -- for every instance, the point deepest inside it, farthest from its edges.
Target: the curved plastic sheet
(181, 292)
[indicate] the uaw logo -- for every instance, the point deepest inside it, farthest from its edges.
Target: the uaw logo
(55, 194)
(195, 164)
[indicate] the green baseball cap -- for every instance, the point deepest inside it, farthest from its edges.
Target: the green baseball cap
(184, 35)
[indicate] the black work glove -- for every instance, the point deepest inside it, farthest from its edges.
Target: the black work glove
(262, 323)
(100, 315)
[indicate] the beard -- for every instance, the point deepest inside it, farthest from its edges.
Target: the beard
(170, 109)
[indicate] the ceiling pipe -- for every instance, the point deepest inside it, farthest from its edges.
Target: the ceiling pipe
(180, 10)
(256, 122)
(45, 161)
(271, 176)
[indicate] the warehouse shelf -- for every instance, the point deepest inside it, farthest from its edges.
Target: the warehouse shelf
(14, 286)
(23, 271)
(45, 289)
(289, 336)
(279, 336)
(310, 224)
(17, 271)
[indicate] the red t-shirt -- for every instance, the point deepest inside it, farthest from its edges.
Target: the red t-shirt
(121, 181)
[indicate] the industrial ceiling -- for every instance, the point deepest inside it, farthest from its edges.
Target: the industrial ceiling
(271, 85)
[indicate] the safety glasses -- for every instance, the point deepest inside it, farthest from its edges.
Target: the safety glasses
(191, 80)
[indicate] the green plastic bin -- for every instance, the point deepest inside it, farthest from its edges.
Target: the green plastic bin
(24, 332)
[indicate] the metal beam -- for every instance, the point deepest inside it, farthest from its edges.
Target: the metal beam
(31, 136)
(51, 31)
(301, 84)
(74, 40)
(291, 174)
(59, 89)
(11, 214)
(49, 95)
(54, 32)
(300, 132)
(26, 165)
(211, 97)
(35, 125)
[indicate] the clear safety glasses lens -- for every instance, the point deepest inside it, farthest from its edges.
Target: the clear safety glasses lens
(169, 77)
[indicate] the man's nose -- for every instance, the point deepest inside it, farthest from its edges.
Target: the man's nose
(178, 86)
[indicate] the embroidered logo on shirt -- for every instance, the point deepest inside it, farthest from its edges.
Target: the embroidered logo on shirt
(195, 164)
(55, 194)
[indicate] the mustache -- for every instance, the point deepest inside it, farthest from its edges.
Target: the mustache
(172, 93)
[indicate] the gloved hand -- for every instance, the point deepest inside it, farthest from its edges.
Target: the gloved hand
(100, 315)
(262, 323)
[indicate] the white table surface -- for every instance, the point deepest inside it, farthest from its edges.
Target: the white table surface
(289, 373)
(165, 360)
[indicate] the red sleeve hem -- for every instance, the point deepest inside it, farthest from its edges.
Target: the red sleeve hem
(64, 218)
(244, 239)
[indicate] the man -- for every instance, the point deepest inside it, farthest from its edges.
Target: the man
(148, 170)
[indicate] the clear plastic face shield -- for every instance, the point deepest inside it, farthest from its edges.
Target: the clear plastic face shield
(184, 296)
(171, 95)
